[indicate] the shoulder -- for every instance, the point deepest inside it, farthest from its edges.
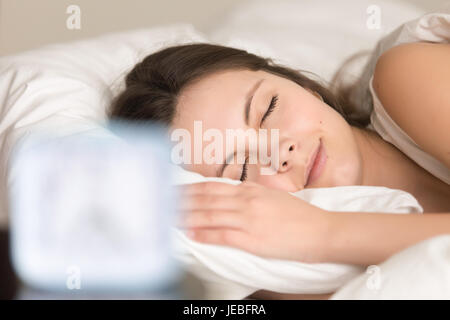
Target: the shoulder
(412, 82)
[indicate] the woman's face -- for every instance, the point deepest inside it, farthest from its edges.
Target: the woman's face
(302, 118)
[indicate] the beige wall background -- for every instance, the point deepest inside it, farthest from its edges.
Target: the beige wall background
(27, 24)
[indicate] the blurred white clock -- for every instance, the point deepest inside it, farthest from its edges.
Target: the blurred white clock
(101, 204)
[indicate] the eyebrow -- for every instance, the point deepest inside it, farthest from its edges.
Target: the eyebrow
(247, 106)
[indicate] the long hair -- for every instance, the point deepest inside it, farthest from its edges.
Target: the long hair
(154, 84)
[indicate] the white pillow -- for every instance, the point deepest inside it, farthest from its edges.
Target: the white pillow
(230, 273)
(315, 36)
(68, 86)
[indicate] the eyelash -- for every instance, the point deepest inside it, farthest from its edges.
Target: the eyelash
(272, 105)
(244, 170)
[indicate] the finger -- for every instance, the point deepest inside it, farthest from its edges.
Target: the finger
(221, 236)
(211, 202)
(212, 219)
(210, 187)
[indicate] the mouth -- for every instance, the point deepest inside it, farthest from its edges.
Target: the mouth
(312, 162)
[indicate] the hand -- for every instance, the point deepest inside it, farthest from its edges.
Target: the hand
(263, 221)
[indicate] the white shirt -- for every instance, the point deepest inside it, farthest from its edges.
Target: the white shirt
(382, 123)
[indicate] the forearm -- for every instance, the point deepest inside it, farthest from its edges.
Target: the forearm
(370, 238)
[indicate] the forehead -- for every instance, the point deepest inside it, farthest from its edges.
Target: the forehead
(217, 100)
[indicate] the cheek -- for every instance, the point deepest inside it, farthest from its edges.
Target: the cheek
(306, 116)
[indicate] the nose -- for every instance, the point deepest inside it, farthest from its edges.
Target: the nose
(287, 150)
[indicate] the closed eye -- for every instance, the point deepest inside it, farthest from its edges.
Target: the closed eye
(244, 170)
(272, 105)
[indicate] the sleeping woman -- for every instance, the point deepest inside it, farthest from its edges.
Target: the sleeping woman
(324, 141)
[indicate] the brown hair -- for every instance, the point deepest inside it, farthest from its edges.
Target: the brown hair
(154, 84)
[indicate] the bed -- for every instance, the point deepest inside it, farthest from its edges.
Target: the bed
(69, 87)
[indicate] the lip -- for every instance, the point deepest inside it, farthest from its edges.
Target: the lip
(316, 164)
